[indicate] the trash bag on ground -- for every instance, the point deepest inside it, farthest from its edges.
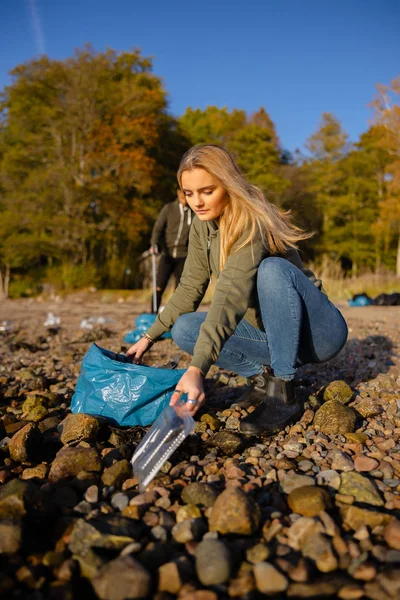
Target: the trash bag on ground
(360, 300)
(387, 300)
(142, 324)
(110, 386)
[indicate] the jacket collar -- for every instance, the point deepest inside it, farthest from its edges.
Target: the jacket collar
(212, 228)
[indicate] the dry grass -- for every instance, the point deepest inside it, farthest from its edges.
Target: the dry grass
(341, 287)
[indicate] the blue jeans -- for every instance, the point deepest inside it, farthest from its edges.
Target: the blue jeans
(301, 326)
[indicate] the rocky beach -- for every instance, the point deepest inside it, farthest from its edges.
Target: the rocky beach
(313, 512)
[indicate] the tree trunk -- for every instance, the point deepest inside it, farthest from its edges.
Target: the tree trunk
(4, 282)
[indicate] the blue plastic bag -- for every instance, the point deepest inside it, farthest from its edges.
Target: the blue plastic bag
(142, 324)
(124, 393)
(360, 300)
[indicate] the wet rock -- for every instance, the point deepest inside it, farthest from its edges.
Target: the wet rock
(269, 580)
(309, 501)
(213, 563)
(338, 391)
(25, 444)
(122, 579)
(363, 489)
(392, 534)
(234, 512)
(333, 418)
(117, 473)
(10, 537)
(291, 481)
(71, 461)
(229, 443)
(199, 493)
(78, 427)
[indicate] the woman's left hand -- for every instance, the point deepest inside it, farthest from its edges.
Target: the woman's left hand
(191, 383)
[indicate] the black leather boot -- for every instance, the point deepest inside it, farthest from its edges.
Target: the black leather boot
(278, 408)
(257, 390)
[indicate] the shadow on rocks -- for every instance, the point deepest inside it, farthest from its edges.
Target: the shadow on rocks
(360, 360)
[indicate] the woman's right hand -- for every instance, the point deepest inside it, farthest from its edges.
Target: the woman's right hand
(139, 349)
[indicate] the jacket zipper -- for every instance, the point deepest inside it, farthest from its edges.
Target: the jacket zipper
(208, 257)
(182, 213)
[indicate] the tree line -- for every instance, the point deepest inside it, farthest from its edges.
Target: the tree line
(89, 152)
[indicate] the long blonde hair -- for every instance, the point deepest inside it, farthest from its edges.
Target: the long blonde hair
(247, 209)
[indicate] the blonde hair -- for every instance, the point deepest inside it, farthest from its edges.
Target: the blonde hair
(248, 208)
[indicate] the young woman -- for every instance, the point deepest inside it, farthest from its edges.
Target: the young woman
(268, 313)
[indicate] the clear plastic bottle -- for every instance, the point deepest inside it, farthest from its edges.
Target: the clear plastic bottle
(165, 435)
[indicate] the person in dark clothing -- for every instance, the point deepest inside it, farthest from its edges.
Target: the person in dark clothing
(170, 237)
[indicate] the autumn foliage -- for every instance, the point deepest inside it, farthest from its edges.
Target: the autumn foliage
(88, 155)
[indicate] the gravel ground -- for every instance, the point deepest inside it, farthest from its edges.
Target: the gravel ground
(311, 512)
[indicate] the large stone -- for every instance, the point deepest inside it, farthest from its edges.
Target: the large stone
(309, 500)
(363, 489)
(117, 473)
(25, 444)
(172, 575)
(367, 407)
(269, 580)
(301, 530)
(329, 478)
(234, 512)
(10, 537)
(339, 391)
(200, 494)
(355, 517)
(291, 481)
(79, 427)
(71, 461)
(103, 533)
(122, 579)
(35, 408)
(392, 534)
(188, 530)
(15, 498)
(341, 461)
(212, 422)
(38, 472)
(333, 418)
(213, 563)
(229, 443)
(318, 547)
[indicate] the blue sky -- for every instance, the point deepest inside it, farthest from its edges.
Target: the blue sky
(297, 58)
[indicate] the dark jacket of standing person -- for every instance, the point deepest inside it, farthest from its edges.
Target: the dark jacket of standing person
(171, 230)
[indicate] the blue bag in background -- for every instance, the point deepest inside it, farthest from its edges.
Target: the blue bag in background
(124, 393)
(142, 324)
(360, 300)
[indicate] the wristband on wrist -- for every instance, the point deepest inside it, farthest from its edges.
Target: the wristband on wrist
(147, 337)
